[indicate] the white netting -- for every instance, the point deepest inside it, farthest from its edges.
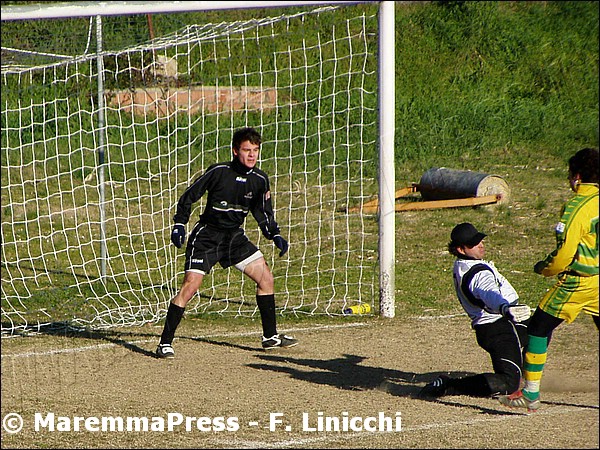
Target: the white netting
(307, 81)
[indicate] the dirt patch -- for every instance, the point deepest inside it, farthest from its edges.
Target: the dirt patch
(370, 368)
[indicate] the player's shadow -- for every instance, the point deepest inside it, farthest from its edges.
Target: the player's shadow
(124, 339)
(570, 404)
(348, 373)
(121, 339)
(223, 343)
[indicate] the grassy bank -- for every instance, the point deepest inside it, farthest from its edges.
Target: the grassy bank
(508, 88)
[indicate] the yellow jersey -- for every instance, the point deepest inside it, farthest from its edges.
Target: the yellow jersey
(576, 236)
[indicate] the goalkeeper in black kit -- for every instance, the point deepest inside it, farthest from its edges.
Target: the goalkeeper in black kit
(499, 322)
(235, 188)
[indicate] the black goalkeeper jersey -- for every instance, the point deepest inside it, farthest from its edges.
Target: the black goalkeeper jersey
(233, 192)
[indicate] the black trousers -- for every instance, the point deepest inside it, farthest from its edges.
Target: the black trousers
(505, 341)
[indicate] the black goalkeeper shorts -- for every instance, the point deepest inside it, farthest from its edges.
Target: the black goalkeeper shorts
(209, 245)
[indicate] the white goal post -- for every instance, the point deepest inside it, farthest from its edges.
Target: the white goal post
(100, 137)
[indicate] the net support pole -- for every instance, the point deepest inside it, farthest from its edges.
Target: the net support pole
(387, 176)
(101, 148)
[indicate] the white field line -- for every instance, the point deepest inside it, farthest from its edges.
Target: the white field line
(295, 443)
(144, 341)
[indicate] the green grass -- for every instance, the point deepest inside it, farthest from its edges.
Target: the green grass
(507, 88)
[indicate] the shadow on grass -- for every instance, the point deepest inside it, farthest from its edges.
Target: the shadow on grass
(544, 402)
(123, 339)
(347, 373)
(126, 339)
(224, 344)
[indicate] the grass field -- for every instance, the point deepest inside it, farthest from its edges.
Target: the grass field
(506, 88)
(358, 366)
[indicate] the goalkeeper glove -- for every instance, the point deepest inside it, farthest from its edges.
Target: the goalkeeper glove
(178, 235)
(516, 313)
(281, 244)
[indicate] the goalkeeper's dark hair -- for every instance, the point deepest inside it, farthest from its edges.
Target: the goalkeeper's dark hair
(585, 163)
(245, 134)
(452, 248)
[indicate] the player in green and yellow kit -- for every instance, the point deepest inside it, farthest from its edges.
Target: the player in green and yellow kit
(575, 262)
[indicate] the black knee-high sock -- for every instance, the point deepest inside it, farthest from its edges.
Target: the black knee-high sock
(266, 306)
(174, 315)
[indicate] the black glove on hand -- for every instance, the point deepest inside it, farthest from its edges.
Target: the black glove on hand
(178, 235)
(539, 266)
(281, 244)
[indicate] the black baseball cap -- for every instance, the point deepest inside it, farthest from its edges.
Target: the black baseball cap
(466, 234)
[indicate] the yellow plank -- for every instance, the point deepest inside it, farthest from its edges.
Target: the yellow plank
(452, 203)
(373, 206)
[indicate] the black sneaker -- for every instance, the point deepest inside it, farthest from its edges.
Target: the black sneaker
(436, 388)
(165, 351)
(278, 341)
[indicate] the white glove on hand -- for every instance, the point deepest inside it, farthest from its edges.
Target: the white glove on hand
(518, 313)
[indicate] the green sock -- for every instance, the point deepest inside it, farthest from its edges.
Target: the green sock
(535, 358)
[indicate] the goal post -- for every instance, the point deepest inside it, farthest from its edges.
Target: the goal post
(108, 113)
(387, 174)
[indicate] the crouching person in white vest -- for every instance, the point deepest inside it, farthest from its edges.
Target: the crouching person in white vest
(499, 322)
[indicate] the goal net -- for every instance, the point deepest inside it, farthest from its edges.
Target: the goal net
(103, 133)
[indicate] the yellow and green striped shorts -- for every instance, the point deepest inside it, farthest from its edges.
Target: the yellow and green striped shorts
(571, 295)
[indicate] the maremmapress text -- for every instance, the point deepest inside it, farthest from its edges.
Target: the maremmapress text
(170, 422)
(275, 421)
